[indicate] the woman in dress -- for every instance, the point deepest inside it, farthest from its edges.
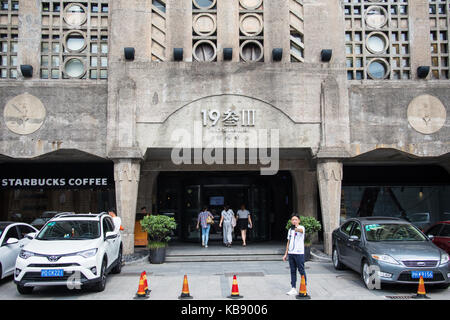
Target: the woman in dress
(226, 220)
(202, 219)
(244, 221)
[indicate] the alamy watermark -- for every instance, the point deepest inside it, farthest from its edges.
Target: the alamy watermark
(229, 146)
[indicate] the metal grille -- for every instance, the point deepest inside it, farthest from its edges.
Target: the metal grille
(36, 277)
(421, 264)
(9, 24)
(57, 265)
(439, 21)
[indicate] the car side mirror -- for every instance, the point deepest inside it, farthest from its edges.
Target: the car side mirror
(354, 238)
(430, 236)
(31, 235)
(110, 235)
(12, 241)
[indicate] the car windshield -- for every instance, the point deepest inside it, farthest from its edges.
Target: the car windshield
(392, 232)
(2, 228)
(70, 230)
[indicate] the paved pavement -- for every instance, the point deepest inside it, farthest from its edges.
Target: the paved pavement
(261, 280)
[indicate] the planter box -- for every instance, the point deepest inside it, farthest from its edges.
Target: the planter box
(157, 256)
(307, 253)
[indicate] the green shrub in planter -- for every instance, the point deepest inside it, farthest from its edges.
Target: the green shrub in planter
(159, 229)
(311, 226)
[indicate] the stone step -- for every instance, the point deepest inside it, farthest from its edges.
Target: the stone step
(223, 257)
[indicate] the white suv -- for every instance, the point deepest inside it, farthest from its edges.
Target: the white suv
(73, 250)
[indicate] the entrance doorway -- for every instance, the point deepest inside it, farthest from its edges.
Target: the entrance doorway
(268, 198)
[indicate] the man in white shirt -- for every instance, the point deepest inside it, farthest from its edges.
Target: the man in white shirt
(295, 251)
(117, 221)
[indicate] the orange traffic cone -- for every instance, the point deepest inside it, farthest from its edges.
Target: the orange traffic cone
(302, 292)
(147, 291)
(141, 289)
(235, 290)
(121, 228)
(421, 294)
(185, 291)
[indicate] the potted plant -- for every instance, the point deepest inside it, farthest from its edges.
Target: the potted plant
(311, 226)
(159, 229)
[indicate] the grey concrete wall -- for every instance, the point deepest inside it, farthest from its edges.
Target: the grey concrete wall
(75, 118)
(378, 118)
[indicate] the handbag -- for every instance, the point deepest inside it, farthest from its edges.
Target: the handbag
(233, 221)
(209, 220)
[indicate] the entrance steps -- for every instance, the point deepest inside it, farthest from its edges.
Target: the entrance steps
(190, 252)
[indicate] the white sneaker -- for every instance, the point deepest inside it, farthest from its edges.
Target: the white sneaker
(206, 246)
(292, 292)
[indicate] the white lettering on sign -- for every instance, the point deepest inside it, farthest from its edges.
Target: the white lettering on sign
(53, 182)
(229, 117)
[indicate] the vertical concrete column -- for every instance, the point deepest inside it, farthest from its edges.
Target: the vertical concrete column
(329, 175)
(324, 29)
(419, 32)
(29, 36)
(179, 28)
(130, 27)
(228, 28)
(126, 177)
(276, 29)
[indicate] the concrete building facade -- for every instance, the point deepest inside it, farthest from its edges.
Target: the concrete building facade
(240, 76)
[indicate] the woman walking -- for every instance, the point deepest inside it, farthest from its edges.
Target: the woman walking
(227, 220)
(205, 218)
(244, 221)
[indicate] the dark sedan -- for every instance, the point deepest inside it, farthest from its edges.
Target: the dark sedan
(440, 235)
(389, 250)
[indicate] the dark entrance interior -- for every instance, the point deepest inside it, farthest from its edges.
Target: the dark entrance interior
(268, 198)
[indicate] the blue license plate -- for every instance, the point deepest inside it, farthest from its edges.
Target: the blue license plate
(424, 274)
(52, 273)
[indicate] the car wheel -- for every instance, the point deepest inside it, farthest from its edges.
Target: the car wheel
(24, 290)
(336, 262)
(118, 267)
(101, 284)
(367, 276)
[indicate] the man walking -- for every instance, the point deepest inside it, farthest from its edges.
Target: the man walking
(295, 251)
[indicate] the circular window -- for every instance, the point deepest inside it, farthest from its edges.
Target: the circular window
(251, 24)
(376, 16)
(204, 4)
(74, 68)
(378, 69)
(75, 41)
(204, 24)
(377, 42)
(251, 51)
(75, 14)
(250, 4)
(204, 51)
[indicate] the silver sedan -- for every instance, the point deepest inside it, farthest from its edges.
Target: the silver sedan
(389, 250)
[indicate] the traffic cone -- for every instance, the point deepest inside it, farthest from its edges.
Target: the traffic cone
(121, 228)
(235, 290)
(141, 289)
(147, 291)
(185, 291)
(302, 292)
(421, 294)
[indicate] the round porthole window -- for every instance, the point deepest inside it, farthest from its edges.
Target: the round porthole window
(75, 14)
(75, 41)
(377, 42)
(378, 69)
(204, 4)
(74, 68)
(251, 24)
(204, 51)
(376, 17)
(204, 24)
(251, 51)
(250, 4)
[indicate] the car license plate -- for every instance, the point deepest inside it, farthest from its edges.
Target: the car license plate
(424, 274)
(52, 273)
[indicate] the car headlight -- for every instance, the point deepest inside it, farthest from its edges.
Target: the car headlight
(88, 253)
(385, 258)
(26, 254)
(444, 258)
